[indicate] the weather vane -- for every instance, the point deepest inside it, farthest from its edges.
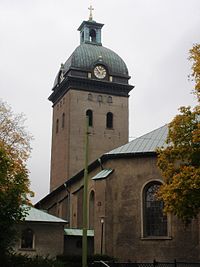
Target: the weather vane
(91, 9)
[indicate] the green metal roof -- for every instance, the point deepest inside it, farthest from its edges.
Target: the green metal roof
(102, 174)
(35, 215)
(85, 56)
(77, 232)
(146, 143)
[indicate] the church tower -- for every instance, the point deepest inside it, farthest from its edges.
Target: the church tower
(94, 82)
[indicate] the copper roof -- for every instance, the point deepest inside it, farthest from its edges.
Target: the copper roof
(36, 215)
(145, 143)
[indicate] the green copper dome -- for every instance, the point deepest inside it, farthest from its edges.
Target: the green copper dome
(86, 55)
(90, 53)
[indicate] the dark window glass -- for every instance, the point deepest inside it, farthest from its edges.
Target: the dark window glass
(27, 238)
(92, 35)
(63, 120)
(79, 243)
(109, 120)
(155, 222)
(82, 36)
(57, 125)
(89, 113)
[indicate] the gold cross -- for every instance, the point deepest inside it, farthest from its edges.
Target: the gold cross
(90, 8)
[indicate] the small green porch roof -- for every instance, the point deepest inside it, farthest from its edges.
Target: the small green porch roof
(36, 215)
(77, 232)
(102, 174)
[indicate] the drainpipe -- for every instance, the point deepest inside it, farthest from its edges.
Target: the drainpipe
(68, 212)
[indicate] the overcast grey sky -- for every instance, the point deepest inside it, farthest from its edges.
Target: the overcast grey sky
(152, 36)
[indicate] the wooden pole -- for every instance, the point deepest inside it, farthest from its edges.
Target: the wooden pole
(85, 193)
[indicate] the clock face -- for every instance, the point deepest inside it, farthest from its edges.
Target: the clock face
(100, 72)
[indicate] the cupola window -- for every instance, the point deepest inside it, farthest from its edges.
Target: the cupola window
(109, 120)
(82, 36)
(90, 31)
(92, 35)
(89, 113)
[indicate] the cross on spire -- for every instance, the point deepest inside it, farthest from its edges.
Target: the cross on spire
(91, 9)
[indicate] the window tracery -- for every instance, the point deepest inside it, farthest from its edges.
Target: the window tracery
(155, 221)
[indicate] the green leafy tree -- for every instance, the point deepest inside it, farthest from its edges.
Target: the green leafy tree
(180, 161)
(14, 182)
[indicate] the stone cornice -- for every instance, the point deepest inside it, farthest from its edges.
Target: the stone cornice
(89, 85)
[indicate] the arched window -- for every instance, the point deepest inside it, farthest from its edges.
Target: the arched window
(90, 97)
(92, 35)
(99, 98)
(27, 238)
(89, 113)
(91, 210)
(154, 221)
(63, 120)
(57, 125)
(109, 99)
(109, 120)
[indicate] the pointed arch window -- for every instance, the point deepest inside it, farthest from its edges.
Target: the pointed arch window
(89, 113)
(63, 120)
(109, 120)
(27, 237)
(154, 221)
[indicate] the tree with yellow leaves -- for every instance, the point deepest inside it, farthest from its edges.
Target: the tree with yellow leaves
(180, 161)
(14, 182)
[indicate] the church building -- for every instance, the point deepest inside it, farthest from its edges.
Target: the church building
(93, 82)
(125, 220)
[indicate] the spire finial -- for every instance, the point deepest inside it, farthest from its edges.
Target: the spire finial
(91, 9)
